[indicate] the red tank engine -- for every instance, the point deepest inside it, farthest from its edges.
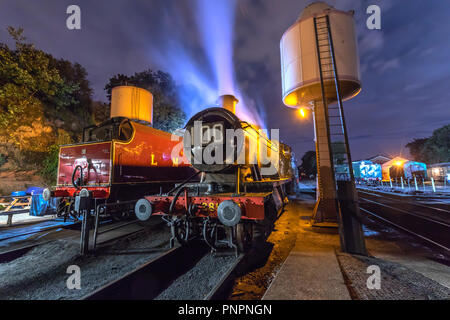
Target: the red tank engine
(118, 162)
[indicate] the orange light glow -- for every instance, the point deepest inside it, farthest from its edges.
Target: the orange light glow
(302, 112)
(398, 163)
(291, 100)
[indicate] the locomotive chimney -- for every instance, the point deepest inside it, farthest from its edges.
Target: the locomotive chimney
(228, 102)
(132, 103)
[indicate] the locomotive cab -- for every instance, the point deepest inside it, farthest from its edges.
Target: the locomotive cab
(118, 128)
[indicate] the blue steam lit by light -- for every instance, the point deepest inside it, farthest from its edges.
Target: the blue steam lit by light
(202, 80)
(195, 89)
(215, 20)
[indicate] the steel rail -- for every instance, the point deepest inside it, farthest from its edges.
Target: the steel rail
(39, 231)
(407, 212)
(438, 196)
(13, 254)
(411, 203)
(407, 230)
(220, 290)
(425, 228)
(151, 278)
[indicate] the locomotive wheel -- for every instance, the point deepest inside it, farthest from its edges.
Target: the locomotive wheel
(244, 236)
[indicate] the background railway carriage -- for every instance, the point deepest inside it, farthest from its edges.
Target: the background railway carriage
(408, 170)
(440, 171)
(118, 161)
(238, 198)
(413, 169)
(366, 170)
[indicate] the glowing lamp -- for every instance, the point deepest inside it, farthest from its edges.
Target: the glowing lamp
(302, 112)
(291, 100)
(399, 163)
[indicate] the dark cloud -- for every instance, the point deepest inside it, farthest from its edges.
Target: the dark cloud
(404, 66)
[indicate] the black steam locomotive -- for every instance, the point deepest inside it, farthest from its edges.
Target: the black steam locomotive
(244, 181)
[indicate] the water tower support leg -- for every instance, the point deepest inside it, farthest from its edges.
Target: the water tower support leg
(326, 210)
(350, 226)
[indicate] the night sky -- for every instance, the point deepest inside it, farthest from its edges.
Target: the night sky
(405, 66)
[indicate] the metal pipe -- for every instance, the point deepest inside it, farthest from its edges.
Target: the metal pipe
(97, 214)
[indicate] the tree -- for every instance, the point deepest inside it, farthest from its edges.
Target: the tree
(80, 99)
(27, 83)
(309, 163)
(43, 100)
(434, 149)
(416, 149)
(167, 115)
(437, 147)
(101, 111)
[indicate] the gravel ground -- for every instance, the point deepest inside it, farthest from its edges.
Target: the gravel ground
(41, 273)
(397, 281)
(200, 280)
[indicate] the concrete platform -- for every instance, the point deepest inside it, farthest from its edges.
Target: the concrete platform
(311, 271)
(316, 269)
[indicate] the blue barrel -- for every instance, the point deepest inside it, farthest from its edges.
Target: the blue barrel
(19, 193)
(34, 190)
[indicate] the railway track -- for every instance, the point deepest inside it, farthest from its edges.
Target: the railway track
(40, 230)
(429, 223)
(15, 253)
(152, 278)
(103, 245)
(222, 289)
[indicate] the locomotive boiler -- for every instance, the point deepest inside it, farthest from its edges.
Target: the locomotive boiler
(244, 177)
(118, 161)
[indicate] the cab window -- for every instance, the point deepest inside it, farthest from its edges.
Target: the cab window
(96, 134)
(125, 131)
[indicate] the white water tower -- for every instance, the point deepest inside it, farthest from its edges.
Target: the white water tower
(299, 57)
(320, 69)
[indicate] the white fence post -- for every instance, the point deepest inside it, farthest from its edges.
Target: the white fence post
(432, 184)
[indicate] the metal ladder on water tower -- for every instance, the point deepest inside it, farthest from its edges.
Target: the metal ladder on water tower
(350, 227)
(334, 116)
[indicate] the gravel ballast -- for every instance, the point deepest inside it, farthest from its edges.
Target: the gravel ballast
(200, 280)
(42, 272)
(397, 282)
